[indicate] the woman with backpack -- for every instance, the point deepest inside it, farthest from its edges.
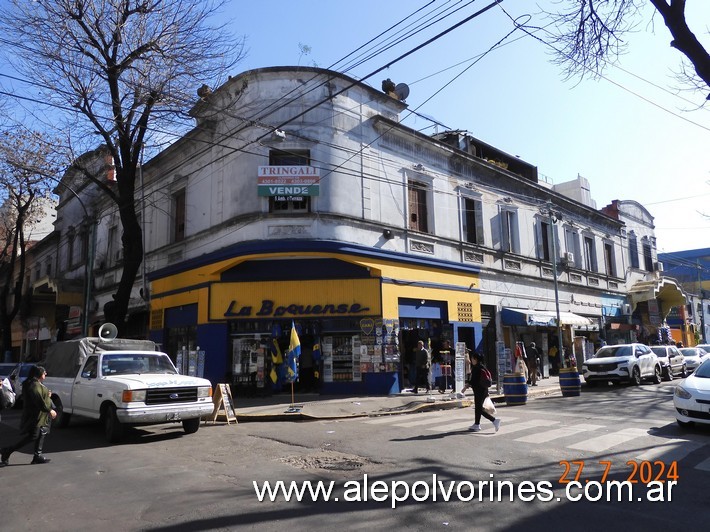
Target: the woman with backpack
(480, 381)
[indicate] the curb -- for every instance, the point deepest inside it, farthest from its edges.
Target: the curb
(439, 403)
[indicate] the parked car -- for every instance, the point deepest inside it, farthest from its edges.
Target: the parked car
(17, 377)
(672, 361)
(6, 368)
(694, 356)
(692, 397)
(704, 347)
(622, 363)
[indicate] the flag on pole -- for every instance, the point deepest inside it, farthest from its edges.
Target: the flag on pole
(276, 359)
(294, 352)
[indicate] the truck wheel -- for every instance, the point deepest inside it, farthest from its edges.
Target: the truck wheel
(62, 419)
(190, 426)
(113, 429)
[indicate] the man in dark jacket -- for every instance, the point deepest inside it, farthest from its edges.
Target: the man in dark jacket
(421, 359)
(37, 414)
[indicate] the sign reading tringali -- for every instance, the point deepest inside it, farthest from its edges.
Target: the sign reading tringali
(288, 181)
(223, 405)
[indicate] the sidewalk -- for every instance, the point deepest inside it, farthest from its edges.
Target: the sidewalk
(314, 406)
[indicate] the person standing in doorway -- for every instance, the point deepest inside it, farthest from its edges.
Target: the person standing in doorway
(421, 359)
(37, 414)
(480, 381)
(533, 363)
(554, 360)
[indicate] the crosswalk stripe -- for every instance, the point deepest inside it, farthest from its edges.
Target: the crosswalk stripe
(600, 418)
(450, 427)
(562, 432)
(399, 417)
(451, 421)
(432, 421)
(602, 443)
(509, 428)
(672, 450)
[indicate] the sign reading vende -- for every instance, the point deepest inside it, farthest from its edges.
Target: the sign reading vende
(289, 181)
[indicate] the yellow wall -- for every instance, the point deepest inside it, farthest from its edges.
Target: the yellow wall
(453, 287)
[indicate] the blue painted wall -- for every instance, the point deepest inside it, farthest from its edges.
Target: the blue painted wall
(212, 338)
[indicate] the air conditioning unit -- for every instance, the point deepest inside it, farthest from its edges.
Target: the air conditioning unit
(657, 266)
(568, 257)
(626, 309)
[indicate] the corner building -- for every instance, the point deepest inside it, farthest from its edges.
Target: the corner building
(282, 208)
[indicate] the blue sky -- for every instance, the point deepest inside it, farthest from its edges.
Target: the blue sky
(630, 134)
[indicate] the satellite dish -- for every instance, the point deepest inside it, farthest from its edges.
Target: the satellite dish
(108, 331)
(402, 91)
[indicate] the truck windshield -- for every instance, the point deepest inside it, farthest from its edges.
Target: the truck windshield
(127, 364)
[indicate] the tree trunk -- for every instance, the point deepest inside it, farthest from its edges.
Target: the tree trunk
(132, 238)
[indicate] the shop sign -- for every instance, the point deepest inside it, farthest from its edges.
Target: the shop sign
(269, 309)
(288, 182)
(295, 299)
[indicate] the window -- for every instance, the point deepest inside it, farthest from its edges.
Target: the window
(418, 220)
(48, 268)
(633, 251)
(84, 251)
(179, 216)
(70, 248)
(544, 240)
(90, 368)
(289, 204)
(473, 221)
(647, 257)
(509, 231)
(609, 259)
(572, 245)
(113, 249)
(38, 272)
(590, 258)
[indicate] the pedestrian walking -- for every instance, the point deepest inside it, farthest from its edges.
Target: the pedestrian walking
(421, 359)
(37, 414)
(480, 382)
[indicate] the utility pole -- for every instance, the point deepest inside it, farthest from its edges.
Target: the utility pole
(554, 217)
(702, 305)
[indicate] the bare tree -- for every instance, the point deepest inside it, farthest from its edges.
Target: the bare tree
(127, 71)
(25, 159)
(590, 35)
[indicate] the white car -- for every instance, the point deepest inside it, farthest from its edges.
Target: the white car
(692, 397)
(622, 363)
(694, 356)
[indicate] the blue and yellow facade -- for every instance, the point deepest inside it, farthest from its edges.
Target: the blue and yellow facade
(360, 309)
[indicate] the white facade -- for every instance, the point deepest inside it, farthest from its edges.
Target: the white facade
(381, 185)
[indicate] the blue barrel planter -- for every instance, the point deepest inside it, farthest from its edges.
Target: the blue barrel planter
(569, 382)
(515, 389)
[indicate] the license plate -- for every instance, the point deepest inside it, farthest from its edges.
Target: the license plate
(173, 417)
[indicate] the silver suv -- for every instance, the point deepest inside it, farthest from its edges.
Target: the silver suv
(622, 363)
(672, 361)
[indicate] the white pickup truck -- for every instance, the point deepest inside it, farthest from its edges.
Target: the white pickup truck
(123, 382)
